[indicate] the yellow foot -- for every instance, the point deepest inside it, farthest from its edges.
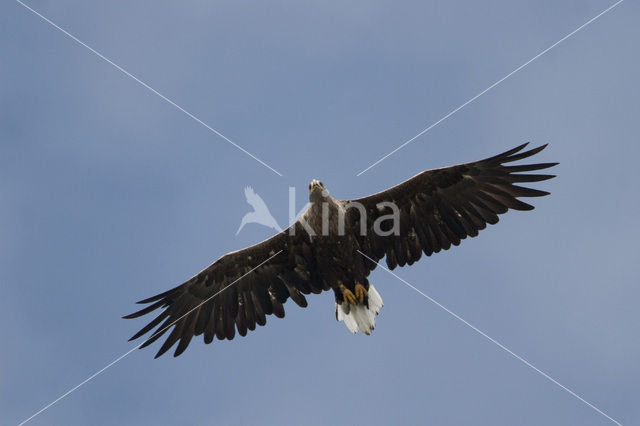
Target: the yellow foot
(361, 292)
(348, 296)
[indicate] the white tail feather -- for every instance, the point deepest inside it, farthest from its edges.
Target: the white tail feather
(360, 317)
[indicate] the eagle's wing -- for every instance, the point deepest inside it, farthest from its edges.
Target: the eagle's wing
(230, 293)
(440, 207)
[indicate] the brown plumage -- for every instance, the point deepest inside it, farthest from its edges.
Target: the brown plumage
(437, 209)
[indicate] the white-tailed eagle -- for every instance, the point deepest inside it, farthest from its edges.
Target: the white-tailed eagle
(333, 246)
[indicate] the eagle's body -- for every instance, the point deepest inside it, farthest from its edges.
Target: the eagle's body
(335, 245)
(335, 251)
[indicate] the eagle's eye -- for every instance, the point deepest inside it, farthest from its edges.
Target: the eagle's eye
(321, 184)
(309, 187)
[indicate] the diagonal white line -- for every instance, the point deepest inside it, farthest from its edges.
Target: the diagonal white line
(492, 86)
(115, 361)
(145, 85)
(492, 340)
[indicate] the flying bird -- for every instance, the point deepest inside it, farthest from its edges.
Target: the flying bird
(260, 213)
(335, 244)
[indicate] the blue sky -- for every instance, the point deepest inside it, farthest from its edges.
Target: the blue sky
(108, 194)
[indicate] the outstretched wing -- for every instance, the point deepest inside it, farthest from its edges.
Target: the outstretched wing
(238, 290)
(439, 208)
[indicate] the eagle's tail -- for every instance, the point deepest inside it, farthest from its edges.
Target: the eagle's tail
(361, 317)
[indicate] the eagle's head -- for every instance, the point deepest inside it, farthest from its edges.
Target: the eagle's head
(317, 189)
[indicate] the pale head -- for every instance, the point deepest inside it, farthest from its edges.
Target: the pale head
(317, 190)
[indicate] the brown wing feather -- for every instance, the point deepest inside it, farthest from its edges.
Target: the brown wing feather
(218, 299)
(441, 207)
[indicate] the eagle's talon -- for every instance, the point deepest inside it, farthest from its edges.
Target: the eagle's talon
(348, 296)
(361, 292)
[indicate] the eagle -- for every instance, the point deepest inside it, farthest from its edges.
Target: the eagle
(335, 244)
